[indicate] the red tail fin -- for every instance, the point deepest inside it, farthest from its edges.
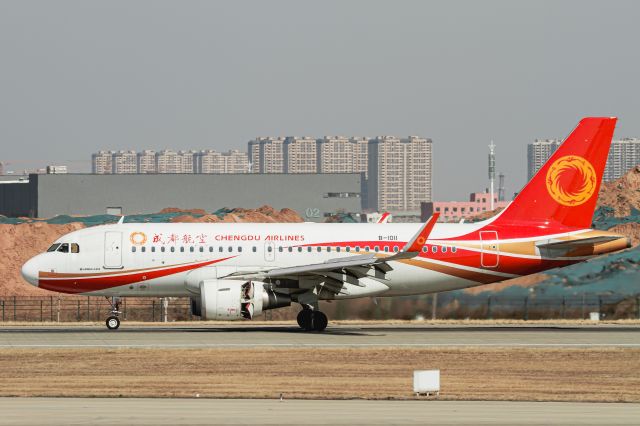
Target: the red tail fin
(565, 190)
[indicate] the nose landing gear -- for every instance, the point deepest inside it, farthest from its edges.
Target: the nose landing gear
(113, 322)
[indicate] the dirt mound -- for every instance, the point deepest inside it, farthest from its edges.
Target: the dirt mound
(622, 194)
(264, 214)
(177, 210)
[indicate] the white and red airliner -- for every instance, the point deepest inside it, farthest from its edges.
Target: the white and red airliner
(235, 270)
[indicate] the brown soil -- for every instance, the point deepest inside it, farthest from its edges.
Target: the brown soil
(611, 374)
(622, 194)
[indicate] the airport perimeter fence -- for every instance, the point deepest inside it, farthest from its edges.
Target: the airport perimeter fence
(442, 306)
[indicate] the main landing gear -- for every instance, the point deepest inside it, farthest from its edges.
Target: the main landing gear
(113, 322)
(311, 320)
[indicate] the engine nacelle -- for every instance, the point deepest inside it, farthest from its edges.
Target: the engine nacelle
(234, 300)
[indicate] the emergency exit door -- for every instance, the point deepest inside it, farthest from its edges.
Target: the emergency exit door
(113, 250)
(490, 249)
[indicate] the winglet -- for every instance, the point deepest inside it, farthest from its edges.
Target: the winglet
(418, 240)
(384, 218)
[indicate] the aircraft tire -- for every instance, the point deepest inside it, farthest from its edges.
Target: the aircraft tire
(113, 323)
(305, 319)
(320, 321)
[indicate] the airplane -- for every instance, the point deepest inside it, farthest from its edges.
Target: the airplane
(233, 271)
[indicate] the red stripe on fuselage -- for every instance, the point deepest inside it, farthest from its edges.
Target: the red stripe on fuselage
(89, 284)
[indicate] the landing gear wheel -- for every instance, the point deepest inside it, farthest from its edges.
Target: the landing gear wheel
(113, 323)
(305, 319)
(320, 321)
(310, 320)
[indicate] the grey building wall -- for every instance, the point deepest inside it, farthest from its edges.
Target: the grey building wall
(17, 199)
(311, 195)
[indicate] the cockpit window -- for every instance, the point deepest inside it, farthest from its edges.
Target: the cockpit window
(54, 247)
(75, 248)
(64, 248)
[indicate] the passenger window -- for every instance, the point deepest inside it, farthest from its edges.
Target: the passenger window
(299, 249)
(357, 248)
(337, 249)
(425, 249)
(191, 249)
(269, 249)
(366, 248)
(75, 248)
(53, 247)
(143, 249)
(220, 249)
(64, 248)
(173, 249)
(254, 249)
(395, 249)
(377, 249)
(133, 249)
(280, 249)
(444, 249)
(434, 249)
(239, 249)
(328, 249)
(201, 249)
(386, 249)
(319, 249)
(210, 249)
(290, 249)
(348, 248)
(162, 249)
(454, 249)
(230, 249)
(153, 249)
(182, 249)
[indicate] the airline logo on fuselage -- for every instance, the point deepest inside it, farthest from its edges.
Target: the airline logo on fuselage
(138, 238)
(571, 180)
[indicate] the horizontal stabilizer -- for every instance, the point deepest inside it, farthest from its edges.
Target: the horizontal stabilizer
(573, 247)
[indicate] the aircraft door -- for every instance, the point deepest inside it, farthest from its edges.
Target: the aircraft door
(269, 251)
(490, 249)
(113, 250)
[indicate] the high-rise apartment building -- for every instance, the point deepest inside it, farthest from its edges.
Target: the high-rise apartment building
(538, 153)
(299, 155)
(168, 161)
(210, 161)
(188, 160)
(399, 172)
(266, 155)
(146, 161)
(125, 162)
(339, 154)
(624, 154)
(102, 162)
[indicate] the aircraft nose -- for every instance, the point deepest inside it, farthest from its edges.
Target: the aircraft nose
(30, 272)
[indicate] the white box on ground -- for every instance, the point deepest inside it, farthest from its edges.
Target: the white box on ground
(426, 381)
(594, 316)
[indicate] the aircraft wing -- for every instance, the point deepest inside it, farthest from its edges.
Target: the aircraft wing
(572, 247)
(345, 269)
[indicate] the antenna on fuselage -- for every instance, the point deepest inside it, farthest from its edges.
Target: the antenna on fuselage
(121, 221)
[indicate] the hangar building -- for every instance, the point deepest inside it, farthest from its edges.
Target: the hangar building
(313, 196)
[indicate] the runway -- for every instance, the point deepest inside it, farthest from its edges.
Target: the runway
(143, 411)
(240, 336)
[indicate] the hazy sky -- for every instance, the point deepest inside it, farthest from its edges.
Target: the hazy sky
(78, 76)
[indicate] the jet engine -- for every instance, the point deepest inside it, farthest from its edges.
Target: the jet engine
(234, 300)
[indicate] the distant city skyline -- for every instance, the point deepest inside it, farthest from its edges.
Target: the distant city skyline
(212, 75)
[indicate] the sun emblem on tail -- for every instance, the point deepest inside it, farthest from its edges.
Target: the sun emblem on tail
(571, 180)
